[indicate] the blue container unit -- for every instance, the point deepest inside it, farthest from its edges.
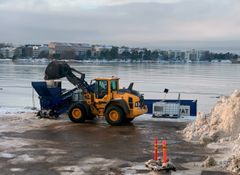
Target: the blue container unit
(191, 103)
(53, 100)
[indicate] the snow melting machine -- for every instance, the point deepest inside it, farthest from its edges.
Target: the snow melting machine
(53, 99)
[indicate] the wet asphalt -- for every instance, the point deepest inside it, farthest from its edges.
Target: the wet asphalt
(97, 148)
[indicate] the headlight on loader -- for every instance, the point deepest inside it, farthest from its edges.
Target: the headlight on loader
(136, 104)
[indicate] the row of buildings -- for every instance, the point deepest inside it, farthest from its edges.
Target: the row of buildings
(76, 50)
(189, 55)
(59, 50)
(25, 51)
(53, 49)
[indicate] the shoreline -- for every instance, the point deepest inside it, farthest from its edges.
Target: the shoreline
(100, 61)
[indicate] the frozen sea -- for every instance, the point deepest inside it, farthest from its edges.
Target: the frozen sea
(202, 82)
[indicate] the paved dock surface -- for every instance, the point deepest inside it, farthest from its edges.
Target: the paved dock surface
(29, 146)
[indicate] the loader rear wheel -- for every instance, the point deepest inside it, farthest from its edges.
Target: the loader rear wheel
(77, 113)
(114, 116)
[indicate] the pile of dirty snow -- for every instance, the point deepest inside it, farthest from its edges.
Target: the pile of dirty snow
(221, 126)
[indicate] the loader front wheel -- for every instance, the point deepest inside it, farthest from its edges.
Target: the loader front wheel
(77, 114)
(114, 116)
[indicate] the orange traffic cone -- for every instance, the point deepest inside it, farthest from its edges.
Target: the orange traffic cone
(164, 150)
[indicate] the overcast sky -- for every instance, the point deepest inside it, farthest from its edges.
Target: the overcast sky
(145, 23)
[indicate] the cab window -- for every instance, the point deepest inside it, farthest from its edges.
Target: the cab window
(101, 88)
(114, 85)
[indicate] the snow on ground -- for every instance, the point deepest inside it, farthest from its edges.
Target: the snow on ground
(12, 111)
(16, 169)
(15, 149)
(6, 155)
(148, 117)
(23, 119)
(102, 165)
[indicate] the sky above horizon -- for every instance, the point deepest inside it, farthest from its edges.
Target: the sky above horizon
(136, 23)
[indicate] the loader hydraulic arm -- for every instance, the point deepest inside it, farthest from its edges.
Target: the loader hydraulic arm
(59, 69)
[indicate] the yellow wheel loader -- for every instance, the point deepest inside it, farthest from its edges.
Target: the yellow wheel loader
(101, 98)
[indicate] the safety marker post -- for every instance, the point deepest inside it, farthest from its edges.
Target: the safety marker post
(155, 148)
(157, 164)
(164, 150)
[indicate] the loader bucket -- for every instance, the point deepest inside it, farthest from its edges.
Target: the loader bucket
(56, 70)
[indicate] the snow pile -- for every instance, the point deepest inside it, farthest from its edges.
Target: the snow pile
(220, 126)
(209, 162)
(233, 163)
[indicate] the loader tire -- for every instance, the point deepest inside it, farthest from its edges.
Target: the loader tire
(77, 113)
(114, 116)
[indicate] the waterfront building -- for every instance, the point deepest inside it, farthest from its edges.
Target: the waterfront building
(197, 55)
(35, 51)
(68, 50)
(7, 52)
(176, 55)
(97, 49)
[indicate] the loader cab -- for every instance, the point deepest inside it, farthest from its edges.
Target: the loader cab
(106, 86)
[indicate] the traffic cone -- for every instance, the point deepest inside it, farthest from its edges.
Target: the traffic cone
(155, 149)
(164, 150)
